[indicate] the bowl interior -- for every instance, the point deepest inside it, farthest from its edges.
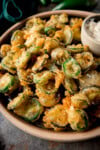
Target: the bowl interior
(29, 128)
(96, 18)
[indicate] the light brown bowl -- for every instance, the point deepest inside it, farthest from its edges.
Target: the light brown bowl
(29, 128)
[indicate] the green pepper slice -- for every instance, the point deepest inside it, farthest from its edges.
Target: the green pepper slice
(49, 29)
(92, 92)
(30, 110)
(8, 83)
(71, 68)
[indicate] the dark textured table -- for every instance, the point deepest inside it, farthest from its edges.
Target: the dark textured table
(12, 138)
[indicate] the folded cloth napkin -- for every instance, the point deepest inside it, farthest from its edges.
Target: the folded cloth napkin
(12, 11)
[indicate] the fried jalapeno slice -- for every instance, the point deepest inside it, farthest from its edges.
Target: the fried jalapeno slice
(71, 68)
(25, 76)
(8, 62)
(91, 78)
(56, 118)
(68, 35)
(73, 49)
(26, 106)
(80, 101)
(5, 48)
(78, 119)
(85, 60)
(21, 97)
(47, 100)
(40, 63)
(59, 55)
(8, 83)
(47, 87)
(48, 81)
(70, 85)
(93, 94)
(30, 110)
(17, 38)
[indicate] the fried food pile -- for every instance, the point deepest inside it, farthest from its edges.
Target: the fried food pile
(59, 77)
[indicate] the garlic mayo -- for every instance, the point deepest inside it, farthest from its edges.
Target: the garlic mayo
(94, 29)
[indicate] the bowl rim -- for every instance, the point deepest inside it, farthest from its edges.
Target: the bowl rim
(85, 30)
(36, 131)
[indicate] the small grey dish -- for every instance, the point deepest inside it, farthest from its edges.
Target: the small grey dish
(87, 38)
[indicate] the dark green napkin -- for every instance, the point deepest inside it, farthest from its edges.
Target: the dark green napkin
(12, 11)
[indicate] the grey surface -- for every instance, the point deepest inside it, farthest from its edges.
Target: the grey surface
(11, 138)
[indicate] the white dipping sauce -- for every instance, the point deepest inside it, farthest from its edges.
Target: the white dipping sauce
(94, 29)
